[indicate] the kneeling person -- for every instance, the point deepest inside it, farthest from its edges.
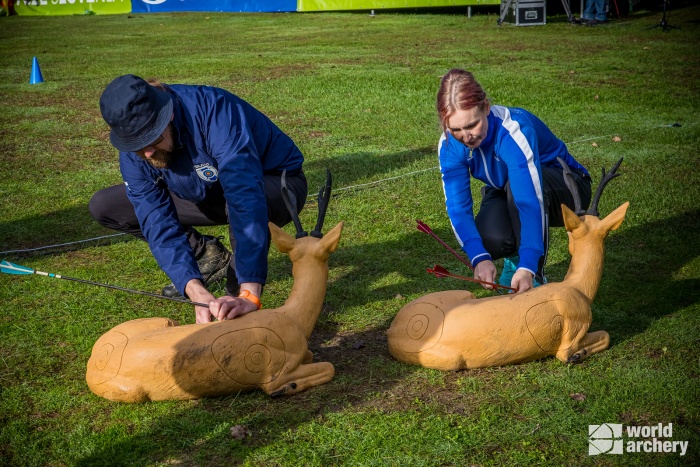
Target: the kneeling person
(198, 156)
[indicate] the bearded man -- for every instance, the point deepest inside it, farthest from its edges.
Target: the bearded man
(198, 156)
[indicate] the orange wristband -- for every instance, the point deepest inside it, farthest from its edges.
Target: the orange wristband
(249, 296)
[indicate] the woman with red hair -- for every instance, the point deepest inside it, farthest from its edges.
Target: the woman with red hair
(515, 155)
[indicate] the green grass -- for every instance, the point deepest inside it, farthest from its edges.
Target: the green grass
(357, 94)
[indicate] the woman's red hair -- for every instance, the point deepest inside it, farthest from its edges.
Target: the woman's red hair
(458, 91)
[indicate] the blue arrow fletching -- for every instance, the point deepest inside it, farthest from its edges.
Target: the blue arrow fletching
(11, 268)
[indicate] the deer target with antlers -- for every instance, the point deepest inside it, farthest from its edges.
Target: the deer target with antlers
(156, 359)
(453, 330)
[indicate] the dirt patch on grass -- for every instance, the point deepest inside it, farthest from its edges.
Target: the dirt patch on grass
(368, 377)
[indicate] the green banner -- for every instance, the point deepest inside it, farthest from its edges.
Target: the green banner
(330, 5)
(71, 7)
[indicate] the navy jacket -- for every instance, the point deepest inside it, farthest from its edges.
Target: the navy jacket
(223, 148)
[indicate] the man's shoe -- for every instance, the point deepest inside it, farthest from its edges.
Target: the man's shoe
(213, 263)
(510, 265)
(170, 291)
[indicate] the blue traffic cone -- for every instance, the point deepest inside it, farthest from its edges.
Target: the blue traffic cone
(36, 76)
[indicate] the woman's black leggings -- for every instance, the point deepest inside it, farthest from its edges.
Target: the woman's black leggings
(498, 220)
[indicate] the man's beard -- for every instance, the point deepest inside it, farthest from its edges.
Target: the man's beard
(161, 158)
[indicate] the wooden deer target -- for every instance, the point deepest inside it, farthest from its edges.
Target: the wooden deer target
(156, 359)
(453, 330)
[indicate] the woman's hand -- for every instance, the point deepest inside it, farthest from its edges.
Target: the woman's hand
(486, 271)
(522, 280)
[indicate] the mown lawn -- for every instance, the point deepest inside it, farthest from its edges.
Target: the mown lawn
(357, 94)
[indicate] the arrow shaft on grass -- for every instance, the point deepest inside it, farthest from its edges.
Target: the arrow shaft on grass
(11, 268)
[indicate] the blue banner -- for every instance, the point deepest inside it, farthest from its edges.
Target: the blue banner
(158, 6)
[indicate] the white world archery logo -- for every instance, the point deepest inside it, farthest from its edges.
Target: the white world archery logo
(605, 439)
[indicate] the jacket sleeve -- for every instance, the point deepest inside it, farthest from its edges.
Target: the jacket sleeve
(155, 211)
(519, 151)
(230, 142)
(456, 184)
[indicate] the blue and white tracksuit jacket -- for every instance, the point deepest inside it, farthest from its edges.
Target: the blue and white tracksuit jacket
(517, 145)
(223, 148)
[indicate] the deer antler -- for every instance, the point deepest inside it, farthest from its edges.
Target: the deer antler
(605, 178)
(571, 185)
(291, 202)
(324, 195)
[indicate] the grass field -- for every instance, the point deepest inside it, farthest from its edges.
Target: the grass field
(357, 95)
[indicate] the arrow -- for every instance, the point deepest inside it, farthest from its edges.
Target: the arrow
(439, 271)
(10, 268)
(423, 227)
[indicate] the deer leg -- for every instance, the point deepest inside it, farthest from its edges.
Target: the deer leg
(299, 379)
(593, 342)
(308, 358)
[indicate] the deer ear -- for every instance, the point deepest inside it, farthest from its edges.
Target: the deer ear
(282, 240)
(331, 239)
(571, 220)
(615, 218)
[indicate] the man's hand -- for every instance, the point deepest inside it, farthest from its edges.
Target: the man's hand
(228, 307)
(522, 280)
(221, 308)
(196, 292)
(485, 271)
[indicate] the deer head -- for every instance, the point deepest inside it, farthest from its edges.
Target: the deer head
(309, 255)
(587, 232)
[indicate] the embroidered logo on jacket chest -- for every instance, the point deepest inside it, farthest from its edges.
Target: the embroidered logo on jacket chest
(207, 172)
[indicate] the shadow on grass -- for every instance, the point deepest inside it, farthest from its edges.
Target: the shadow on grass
(644, 279)
(361, 168)
(639, 283)
(35, 233)
(638, 287)
(75, 224)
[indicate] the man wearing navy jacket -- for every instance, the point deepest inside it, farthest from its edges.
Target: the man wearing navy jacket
(197, 156)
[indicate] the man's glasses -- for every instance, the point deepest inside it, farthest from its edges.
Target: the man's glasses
(152, 145)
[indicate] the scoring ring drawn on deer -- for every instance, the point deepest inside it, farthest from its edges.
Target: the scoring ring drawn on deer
(453, 330)
(157, 359)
